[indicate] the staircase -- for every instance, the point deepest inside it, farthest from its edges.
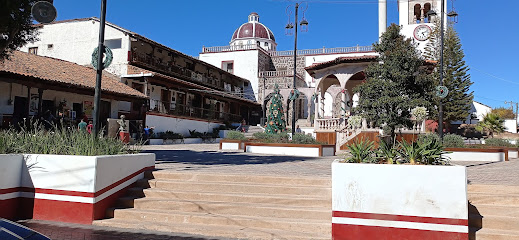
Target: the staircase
(493, 212)
(253, 129)
(228, 206)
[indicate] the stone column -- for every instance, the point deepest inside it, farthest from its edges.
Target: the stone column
(382, 17)
(309, 107)
(343, 103)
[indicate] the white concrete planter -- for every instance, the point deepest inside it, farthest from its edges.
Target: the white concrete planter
(228, 144)
(382, 201)
(223, 133)
(156, 141)
(474, 154)
(67, 188)
(304, 150)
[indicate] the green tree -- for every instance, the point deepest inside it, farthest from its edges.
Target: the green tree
(396, 83)
(276, 118)
(505, 113)
(16, 27)
(457, 104)
(491, 124)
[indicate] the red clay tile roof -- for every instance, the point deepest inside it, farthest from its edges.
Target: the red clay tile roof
(63, 72)
(339, 60)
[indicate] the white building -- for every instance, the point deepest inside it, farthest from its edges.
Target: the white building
(184, 92)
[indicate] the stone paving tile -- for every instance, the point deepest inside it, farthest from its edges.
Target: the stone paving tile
(206, 157)
(69, 231)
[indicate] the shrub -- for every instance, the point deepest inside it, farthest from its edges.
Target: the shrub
(235, 135)
(429, 137)
(195, 134)
(498, 142)
(355, 121)
(279, 137)
(260, 136)
(427, 152)
(453, 141)
(299, 138)
(37, 140)
(170, 135)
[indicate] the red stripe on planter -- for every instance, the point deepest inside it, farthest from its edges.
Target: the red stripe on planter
(115, 184)
(356, 232)
(403, 218)
(9, 190)
(63, 192)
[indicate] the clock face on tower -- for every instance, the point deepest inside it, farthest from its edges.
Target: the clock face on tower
(422, 32)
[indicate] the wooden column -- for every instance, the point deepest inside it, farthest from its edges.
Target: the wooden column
(40, 101)
(28, 107)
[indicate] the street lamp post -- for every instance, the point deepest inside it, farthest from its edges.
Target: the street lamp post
(97, 95)
(454, 15)
(289, 26)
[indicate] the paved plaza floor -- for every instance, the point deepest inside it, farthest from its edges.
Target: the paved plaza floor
(207, 158)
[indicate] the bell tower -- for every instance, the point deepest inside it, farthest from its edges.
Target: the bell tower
(415, 20)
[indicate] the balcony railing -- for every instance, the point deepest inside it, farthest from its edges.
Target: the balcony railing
(303, 52)
(171, 69)
(330, 124)
(272, 74)
(230, 48)
(192, 112)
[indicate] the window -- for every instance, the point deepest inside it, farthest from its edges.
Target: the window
(266, 44)
(113, 43)
(50, 46)
(33, 50)
(228, 66)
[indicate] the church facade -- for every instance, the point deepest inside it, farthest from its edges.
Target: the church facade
(325, 76)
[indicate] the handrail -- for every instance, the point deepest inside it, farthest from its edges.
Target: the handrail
(169, 108)
(286, 73)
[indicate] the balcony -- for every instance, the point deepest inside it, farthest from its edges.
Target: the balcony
(156, 64)
(273, 74)
(230, 48)
(192, 112)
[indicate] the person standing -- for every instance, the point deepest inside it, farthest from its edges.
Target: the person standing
(89, 127)
(82, 126)
(298, 130)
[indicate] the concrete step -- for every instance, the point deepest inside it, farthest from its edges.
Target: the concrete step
(239, 232)
(284, 200)
(233, 187)
(256, 179)
(493, 234)
(493, 189)
(496, 210)
(494, 199)
(242, 209)
(322, 227)
(493, 222)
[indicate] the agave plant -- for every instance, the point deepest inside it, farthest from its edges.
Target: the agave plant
(423, 152)
(387, 152)
(361, 151)
(410, 152)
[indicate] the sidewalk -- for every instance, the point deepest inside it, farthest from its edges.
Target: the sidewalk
(69, 231)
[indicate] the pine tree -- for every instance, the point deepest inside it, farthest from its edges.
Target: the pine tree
(16, 27)
(276, 118)
(457, 104)
(397, 83)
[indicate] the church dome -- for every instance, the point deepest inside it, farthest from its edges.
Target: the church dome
(253, 29)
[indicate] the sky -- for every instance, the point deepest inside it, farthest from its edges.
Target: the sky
(489, 30)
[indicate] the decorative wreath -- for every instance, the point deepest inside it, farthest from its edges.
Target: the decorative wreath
(294, 94)
(108, 59)
(442, 91)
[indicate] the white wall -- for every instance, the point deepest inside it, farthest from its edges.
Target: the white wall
(245, 64)
(178, 125)
(75, 41)
(510, 125)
